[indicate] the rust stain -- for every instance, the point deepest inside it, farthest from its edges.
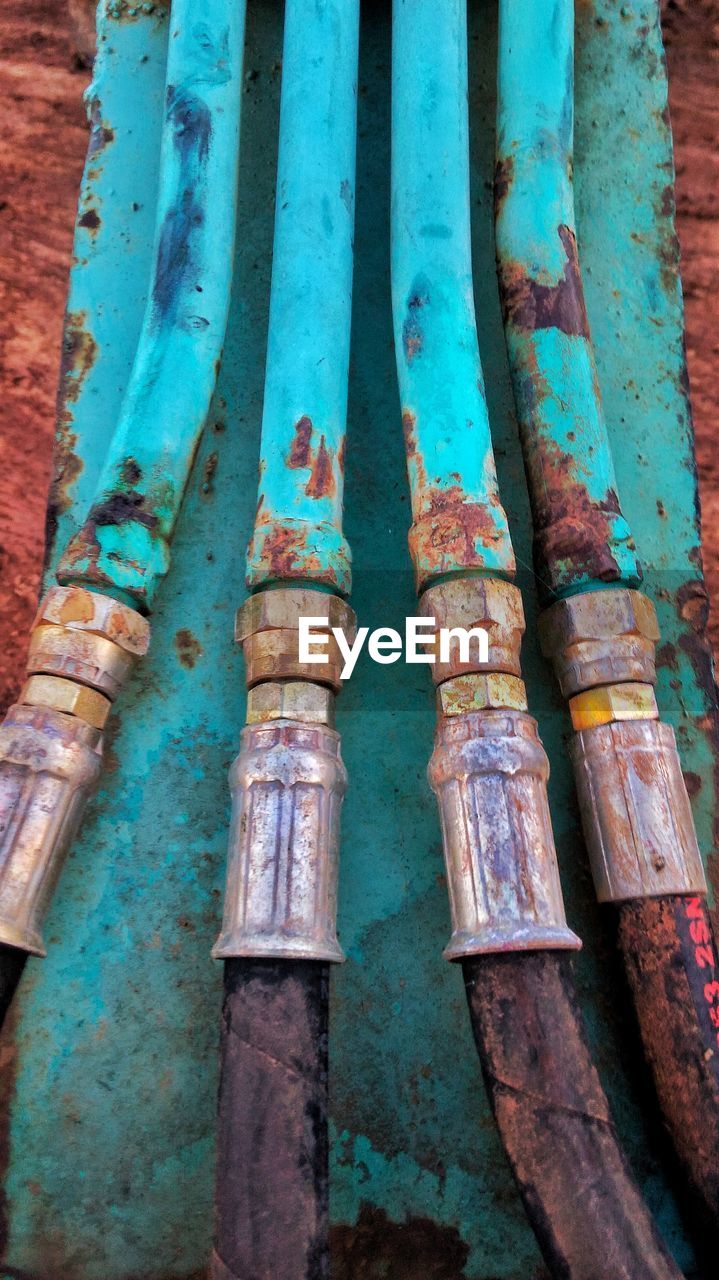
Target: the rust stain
(208, 474)
(450, 528)
(321, 483)
(503, 176)
(412, 335)
(90, 220)
(79, 353)
(692, 604)
(375, 1246)
(572, 528)
(188, 647)
(301, 451)
(527, 304)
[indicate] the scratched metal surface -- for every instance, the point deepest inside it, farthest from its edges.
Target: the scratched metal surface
(110, 1064)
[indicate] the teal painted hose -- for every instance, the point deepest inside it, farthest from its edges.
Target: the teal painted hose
(581, 536)
(298, 529)
(123, 545)
(458, 524)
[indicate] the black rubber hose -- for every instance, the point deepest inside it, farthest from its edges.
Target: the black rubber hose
(553, 1117)
(271, 1188)
(671, 964)
(12, 963)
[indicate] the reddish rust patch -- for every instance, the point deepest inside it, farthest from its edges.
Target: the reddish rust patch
(530, 305)
(301, 451)
(79, 352)
(572, 532)
(188, 647)
(412, 336)
(321, 483)
(451, 530)
(409, 423)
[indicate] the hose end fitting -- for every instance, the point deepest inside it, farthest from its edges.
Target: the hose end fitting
(49, 763)
(287, 786)
(489, 772)
(81, 648)
(600, 637)
(636, 813)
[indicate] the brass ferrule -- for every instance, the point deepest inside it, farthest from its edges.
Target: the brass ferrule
(287, 786)
(612, 702)
(267, 626)
(66, 696)
(49, 763)
(474, 692)
(77, 609)
(491, 604)
(600, 638)
(489, 772)
(292, 700)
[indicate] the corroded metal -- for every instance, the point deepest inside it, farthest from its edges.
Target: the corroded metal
(580, 533)
(475, 692)
(97, 614)
(600, 637)
(79, 655)
(298, 523)
(489, 603)
(635, 810)
(268, 627)
(291, 700)
(66, 696)
(287, 786)
(489, 772)
(613, 702)
(124, 540)
(458, 522)
(281, 610)
(49, 763)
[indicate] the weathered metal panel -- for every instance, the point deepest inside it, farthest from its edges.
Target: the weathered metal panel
(111, 1061)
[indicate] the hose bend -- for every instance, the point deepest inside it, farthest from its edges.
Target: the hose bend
(671, 965)
(271, 1198)
(578, 1191)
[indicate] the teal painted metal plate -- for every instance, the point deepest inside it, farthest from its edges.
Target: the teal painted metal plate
(110, 1059)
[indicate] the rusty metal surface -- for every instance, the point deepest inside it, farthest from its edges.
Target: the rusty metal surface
(109, 1117)
(635, 811)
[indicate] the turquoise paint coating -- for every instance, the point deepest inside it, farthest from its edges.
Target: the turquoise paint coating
(458, 522)
(298, 528)
(110, 1066)
(581, 536)
(124, 542)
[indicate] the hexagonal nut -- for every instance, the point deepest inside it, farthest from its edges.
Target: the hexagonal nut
(282, 609)
(67, 696)
(489, 603)
(597, 615)
(81, 610)
(291, 700)
(612, 703)
(78, 655)
(475, 692)
(274, 656)
(600, 637)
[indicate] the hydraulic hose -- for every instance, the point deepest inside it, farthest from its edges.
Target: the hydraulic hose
(272, 1183)
(599, 631)
(90, 630)
(279, 925)
(555, 1124)
(489, 769)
